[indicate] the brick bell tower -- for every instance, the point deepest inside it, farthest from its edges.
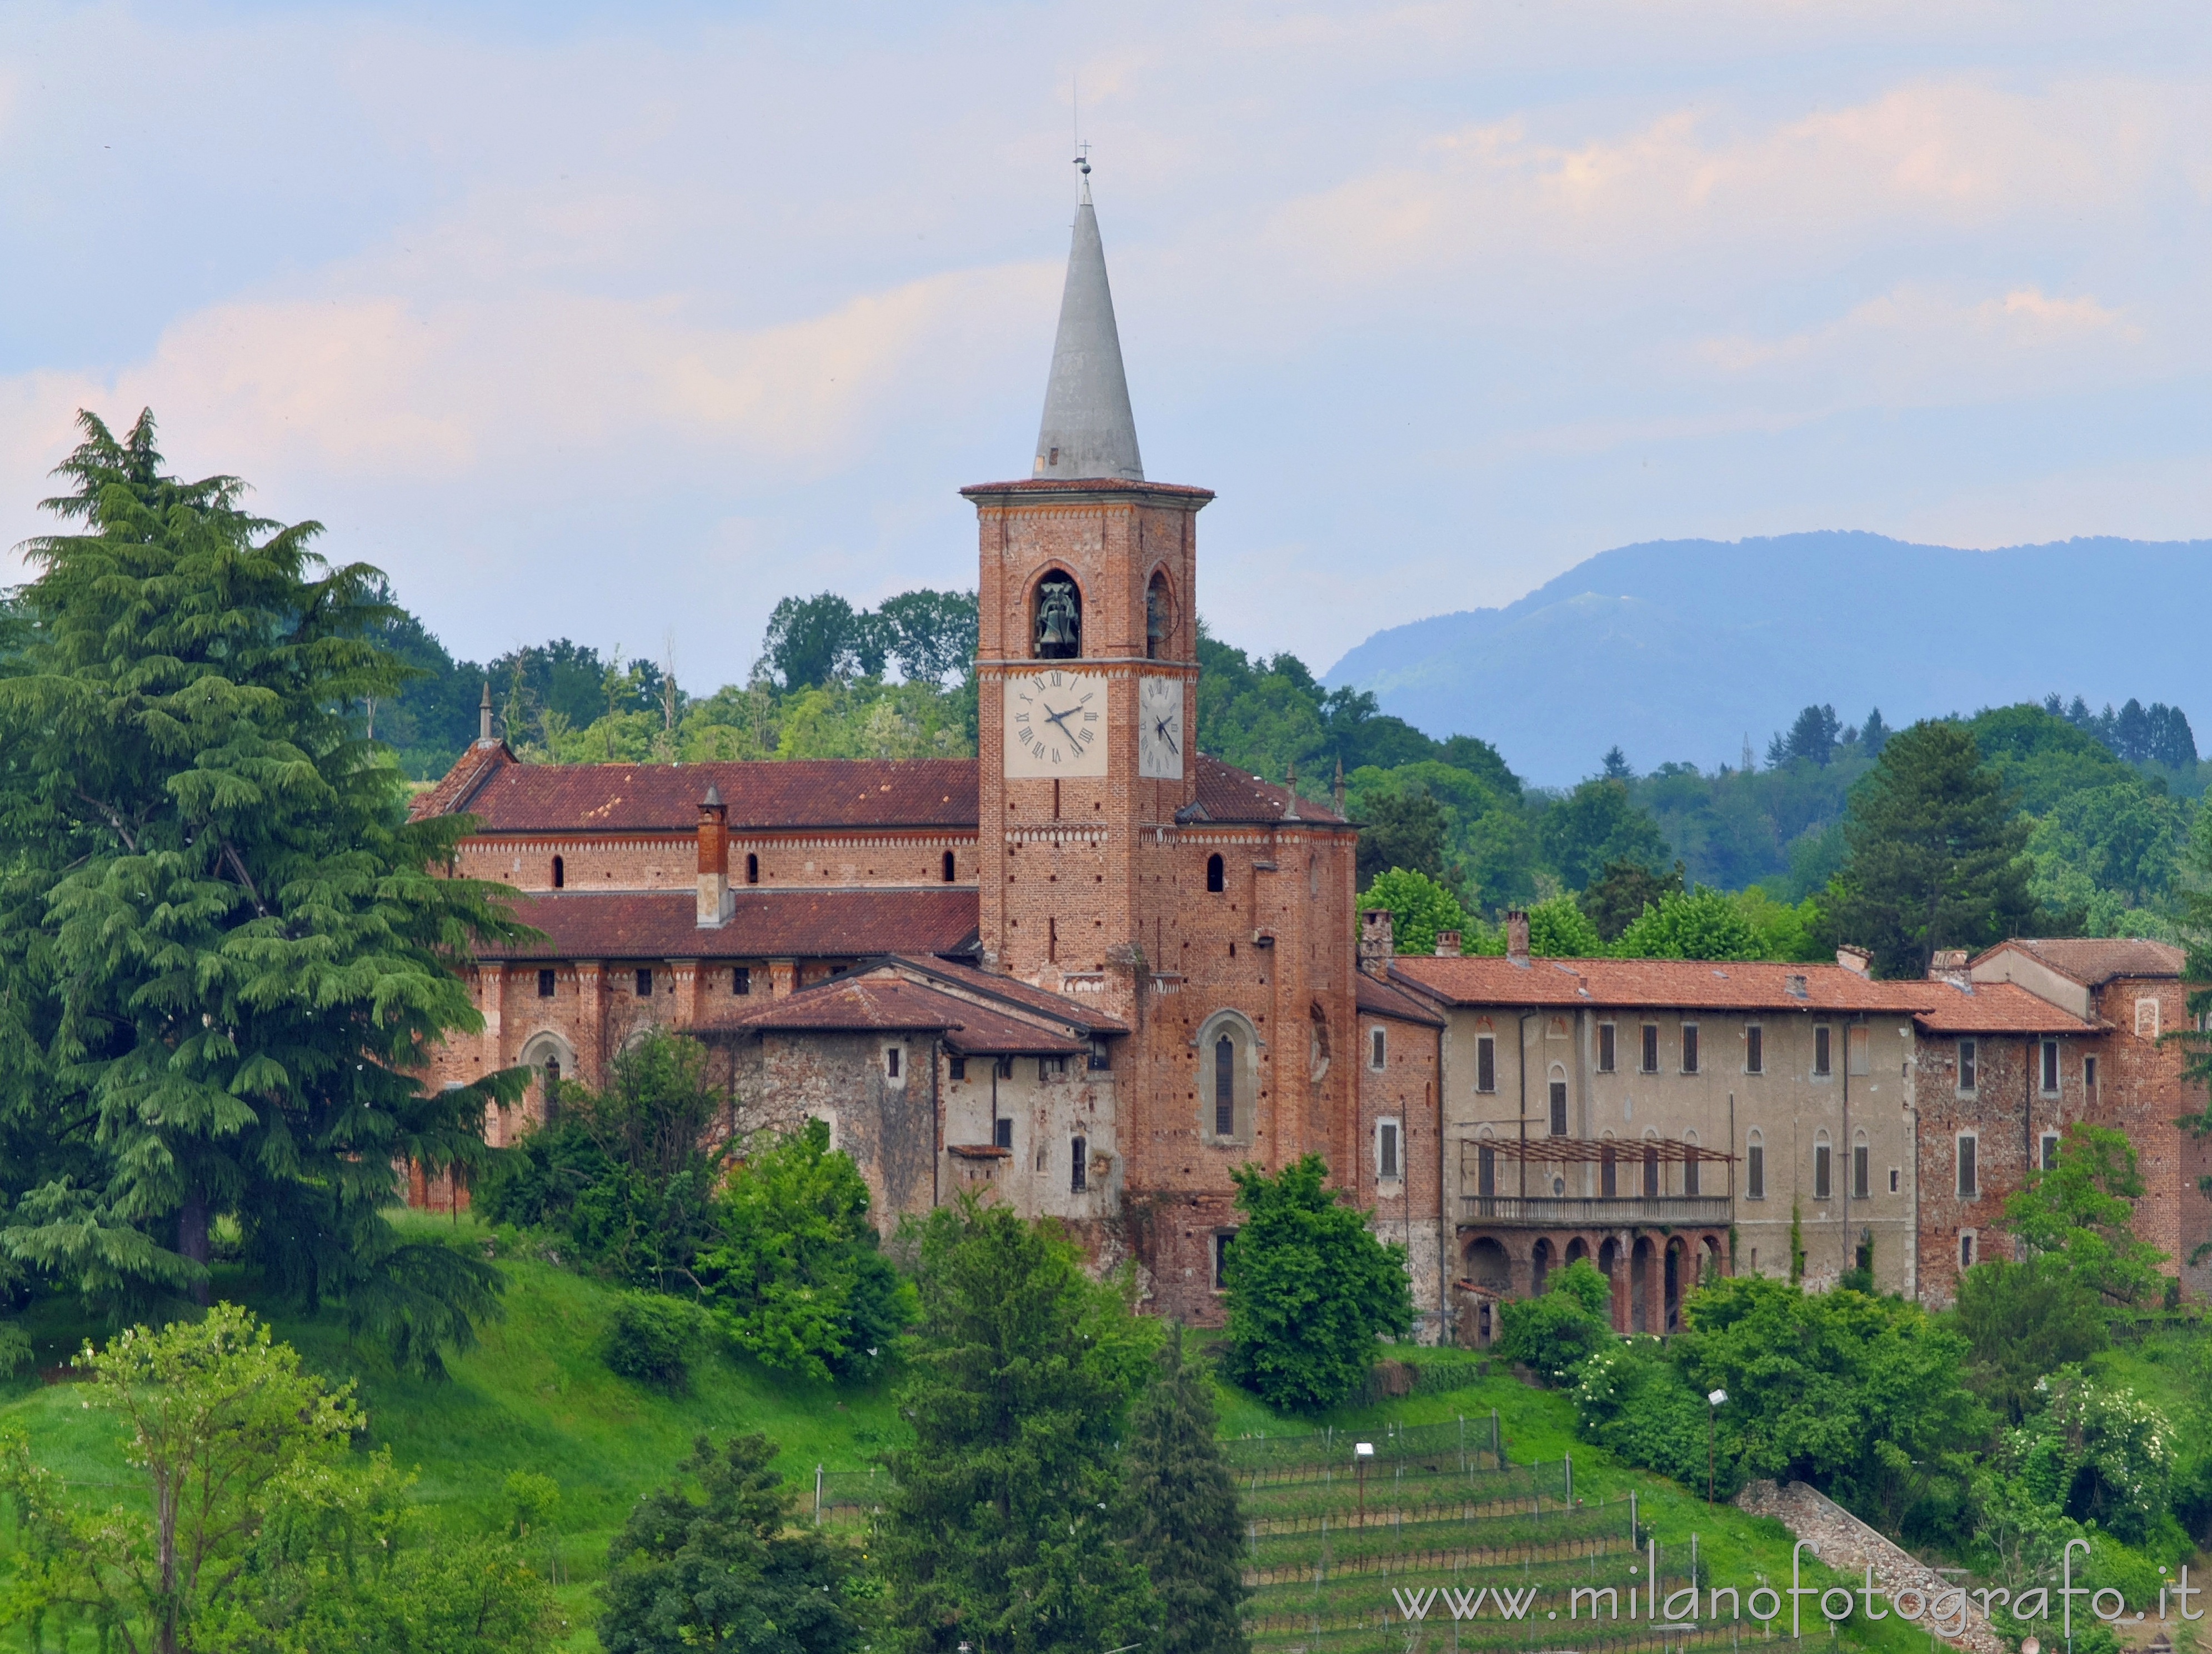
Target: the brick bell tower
(1087, 669)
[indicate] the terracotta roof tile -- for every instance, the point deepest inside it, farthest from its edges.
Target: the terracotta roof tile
(1380, 1000)
(891, 1004)
(1038, 1000)
(1226, 793)
(2093, 960)
(452, 793)
(664, 798)
(771, 924)
(1707, 985)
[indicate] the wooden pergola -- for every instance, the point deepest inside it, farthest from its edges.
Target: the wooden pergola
(1608, 1153)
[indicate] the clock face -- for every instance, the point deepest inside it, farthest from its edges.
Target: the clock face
(1056, 724)
(1159, 728)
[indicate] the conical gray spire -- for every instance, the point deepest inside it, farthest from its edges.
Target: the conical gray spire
(1088, 429)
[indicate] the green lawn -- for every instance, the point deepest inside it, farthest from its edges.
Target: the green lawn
(536, 1396)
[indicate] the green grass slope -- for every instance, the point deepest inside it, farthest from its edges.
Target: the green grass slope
(536, 1396)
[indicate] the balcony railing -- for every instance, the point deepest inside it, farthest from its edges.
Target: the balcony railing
(1549, 1212)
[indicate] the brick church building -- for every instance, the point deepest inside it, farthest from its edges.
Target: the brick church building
(1091, 972)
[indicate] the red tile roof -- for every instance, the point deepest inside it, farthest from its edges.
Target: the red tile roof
(1380, 1000)
(1997, 1008)
(889, 1003)
(770, 924)
(1703, 985)
(2093, 960)
(1019, 994)
(1085, 485)
(1226, 793)
(835, 794)
(452, 793)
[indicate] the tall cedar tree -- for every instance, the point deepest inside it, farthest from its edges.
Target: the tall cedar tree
(225, 956)
(1179, 1512)
(722, 1572)
(1311, 1289)
(1934, 853)
(994, 1531)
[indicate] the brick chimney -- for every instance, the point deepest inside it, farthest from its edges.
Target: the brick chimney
(1948, 964)
(1858, 961)
(1447, 945)
(1517, 937)
(715, 903)
(1374, 948)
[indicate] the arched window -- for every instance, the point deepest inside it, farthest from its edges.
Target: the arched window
(1653, 1187)
(1056, 623)
(560, 873)
(752, 870)
(1823, 1169)
(551, 1058)
(1754, 1166)
(1159, 616)
(948, 867)
(1690, 1166)
(1216, 879)
(1861, 1173)
(1227, 1076)
(1558, 1100)
(1485, 1166)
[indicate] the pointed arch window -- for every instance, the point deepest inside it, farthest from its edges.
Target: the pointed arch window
(1159, 617)
(1056, 617)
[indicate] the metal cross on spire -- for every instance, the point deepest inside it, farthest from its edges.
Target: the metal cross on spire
(1083, 165)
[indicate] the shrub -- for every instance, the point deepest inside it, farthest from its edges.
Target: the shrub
(651, 1339)
(1555, 1334)
(1632, 1399)
(15, 1355)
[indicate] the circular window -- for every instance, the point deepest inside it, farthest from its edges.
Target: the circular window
(1559, 1185)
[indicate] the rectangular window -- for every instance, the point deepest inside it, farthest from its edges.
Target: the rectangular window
(1221, 1239)
(1608, 1173)
(1689, 1048)
(1101, 1060)
(1690, 1174)
(645, 984)
(1002, 1133)
(1374, 1049)
(1855, 1050)
(2049, 1161)
(741, 979)
(1485, 1064)
(1860, 1172)
(2089, 1077)
(1652, 1186)
(1967, 1250)
(1605, 1032)
(1822, 1177)
(1052, 1067)
(2051, 1067)
(545, 984)
(1558, 1108)
(957, 1069)
(1970, 1064)
(1754, 1172)
(1820, 1063)
(1079, 1167)
(891, 1060)
(1969, 1182)
(1486, 1171)
(1651, 1048)
(1005, 1067)
(1225, 1087)
(1893, 1179)
(1386, 1149)
(1755, 1050)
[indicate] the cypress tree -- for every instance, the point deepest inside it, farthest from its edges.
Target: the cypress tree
(226, 954)
(1179, 1510)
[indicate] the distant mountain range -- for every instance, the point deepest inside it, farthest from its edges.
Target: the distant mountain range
(1683, 649)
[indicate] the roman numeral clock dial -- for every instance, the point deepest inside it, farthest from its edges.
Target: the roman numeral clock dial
(1056, 724)
(1159, 728)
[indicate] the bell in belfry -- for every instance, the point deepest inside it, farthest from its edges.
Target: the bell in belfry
(1058, 621)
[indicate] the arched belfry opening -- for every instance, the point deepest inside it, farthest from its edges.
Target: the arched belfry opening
(1056, 623)
(1159, 617)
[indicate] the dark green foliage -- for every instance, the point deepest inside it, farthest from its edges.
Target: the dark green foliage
(1402, 829)
(621, 1173)
(224, 959)
(1616, 898)
(1936, 854)
(1555, 1334)
(1178, 1512)
(2021, 1320)
(2157, 734)
(1861, 1396)
(796, 1274)
(994, 1531)
(651, 1338)
(2080, 1214)
(929, 636)
(1594, 827)
(1633, 1399)
(722, 1570)
(1311, 1289)
(1813, 738)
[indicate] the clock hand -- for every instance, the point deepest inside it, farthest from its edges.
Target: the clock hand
(1160, 729)
(1059, 718)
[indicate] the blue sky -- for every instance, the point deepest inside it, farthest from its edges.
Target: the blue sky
(622, 322)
